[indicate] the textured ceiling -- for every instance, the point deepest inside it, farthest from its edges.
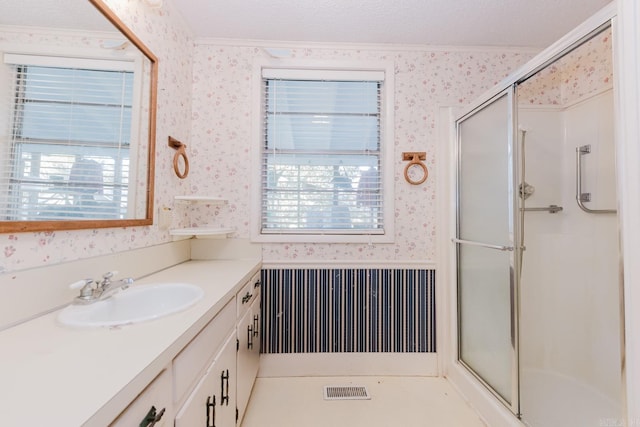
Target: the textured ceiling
(526, 23)
(62, 14)
(532, 23)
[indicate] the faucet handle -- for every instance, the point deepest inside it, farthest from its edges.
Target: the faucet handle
(80, 284)
(86, 290)
(106, 278)
(109, 274)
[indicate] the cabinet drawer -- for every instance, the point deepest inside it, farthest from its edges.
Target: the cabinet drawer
(157, 395)
(189, 364)
(248, 294)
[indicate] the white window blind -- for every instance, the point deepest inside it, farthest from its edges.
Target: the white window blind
(321, 153)
(70, 130)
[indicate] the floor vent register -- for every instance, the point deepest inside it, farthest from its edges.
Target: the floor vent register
(346, 393)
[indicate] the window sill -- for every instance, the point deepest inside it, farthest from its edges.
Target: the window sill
(202, 232)
(323, 238)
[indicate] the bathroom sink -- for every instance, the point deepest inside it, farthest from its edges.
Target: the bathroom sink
(134, 305)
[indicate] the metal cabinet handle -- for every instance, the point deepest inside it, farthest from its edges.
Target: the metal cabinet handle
(255, 325)
(256, 284)
(211, 411)
(580, 196)
(152, 417)
(250, 337)
(224, 391)
(247, 297)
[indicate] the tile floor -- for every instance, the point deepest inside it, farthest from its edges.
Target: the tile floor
(395, 402)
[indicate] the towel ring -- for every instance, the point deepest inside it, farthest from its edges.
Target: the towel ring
(415, 158)
(180, 157)
(181, 154)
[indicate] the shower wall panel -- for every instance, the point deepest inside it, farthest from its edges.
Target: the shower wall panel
(593, 261)
(570, 323)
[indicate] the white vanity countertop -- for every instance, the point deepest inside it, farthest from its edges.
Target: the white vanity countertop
(59, 376)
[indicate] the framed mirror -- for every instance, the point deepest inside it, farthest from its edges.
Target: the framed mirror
(77, 118)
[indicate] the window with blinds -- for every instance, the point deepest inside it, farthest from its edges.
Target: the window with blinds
(68, 147)
(321, 153)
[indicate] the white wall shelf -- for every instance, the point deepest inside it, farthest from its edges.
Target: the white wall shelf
(201, 199)
(202, 232)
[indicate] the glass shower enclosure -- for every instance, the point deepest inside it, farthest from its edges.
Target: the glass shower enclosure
(538, 274)
(485, 247)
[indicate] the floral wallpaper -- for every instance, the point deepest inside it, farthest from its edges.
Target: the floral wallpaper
(583, 72)
(425, 80)
(204, 100)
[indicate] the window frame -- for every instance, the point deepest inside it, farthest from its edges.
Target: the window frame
(325, 71)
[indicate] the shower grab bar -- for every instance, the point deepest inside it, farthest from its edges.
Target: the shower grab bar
(483, 245)
(551, 209)
(580, 196)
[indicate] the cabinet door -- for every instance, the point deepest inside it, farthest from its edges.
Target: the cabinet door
(192, 362)
(257, 322)
(248, 354)
(213, 401)
(153, 404)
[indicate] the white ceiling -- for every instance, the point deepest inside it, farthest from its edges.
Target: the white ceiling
(526, 23)
(62, 14)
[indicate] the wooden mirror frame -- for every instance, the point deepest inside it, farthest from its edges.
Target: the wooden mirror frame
(56, 225)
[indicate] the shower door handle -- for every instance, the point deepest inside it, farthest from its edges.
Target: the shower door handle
(483, 245)
(580, 196)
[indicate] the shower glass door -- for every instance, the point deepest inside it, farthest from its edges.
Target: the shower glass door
(485, 242)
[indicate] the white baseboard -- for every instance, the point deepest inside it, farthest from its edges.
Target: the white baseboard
(348, 364)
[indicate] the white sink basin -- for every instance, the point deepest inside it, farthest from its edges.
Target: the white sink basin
(134, 305)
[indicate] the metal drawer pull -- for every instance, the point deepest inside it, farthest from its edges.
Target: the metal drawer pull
(247, 297)
(211, 411)
(250, 337)
(152, 417)
(483, 245)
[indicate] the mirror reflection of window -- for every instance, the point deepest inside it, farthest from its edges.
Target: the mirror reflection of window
(70, 139)
(103, 110)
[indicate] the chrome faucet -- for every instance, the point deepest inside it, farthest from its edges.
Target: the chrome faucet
(102, 290)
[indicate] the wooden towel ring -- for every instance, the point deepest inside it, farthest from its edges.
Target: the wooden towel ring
(181, 154)
(415, 158)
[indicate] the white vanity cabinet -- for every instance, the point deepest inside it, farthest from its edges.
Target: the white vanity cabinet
(97, 377)
(213, 401)
(215, 372)
(248, 302)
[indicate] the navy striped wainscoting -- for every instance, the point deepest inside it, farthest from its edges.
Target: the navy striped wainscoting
(348, 310)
